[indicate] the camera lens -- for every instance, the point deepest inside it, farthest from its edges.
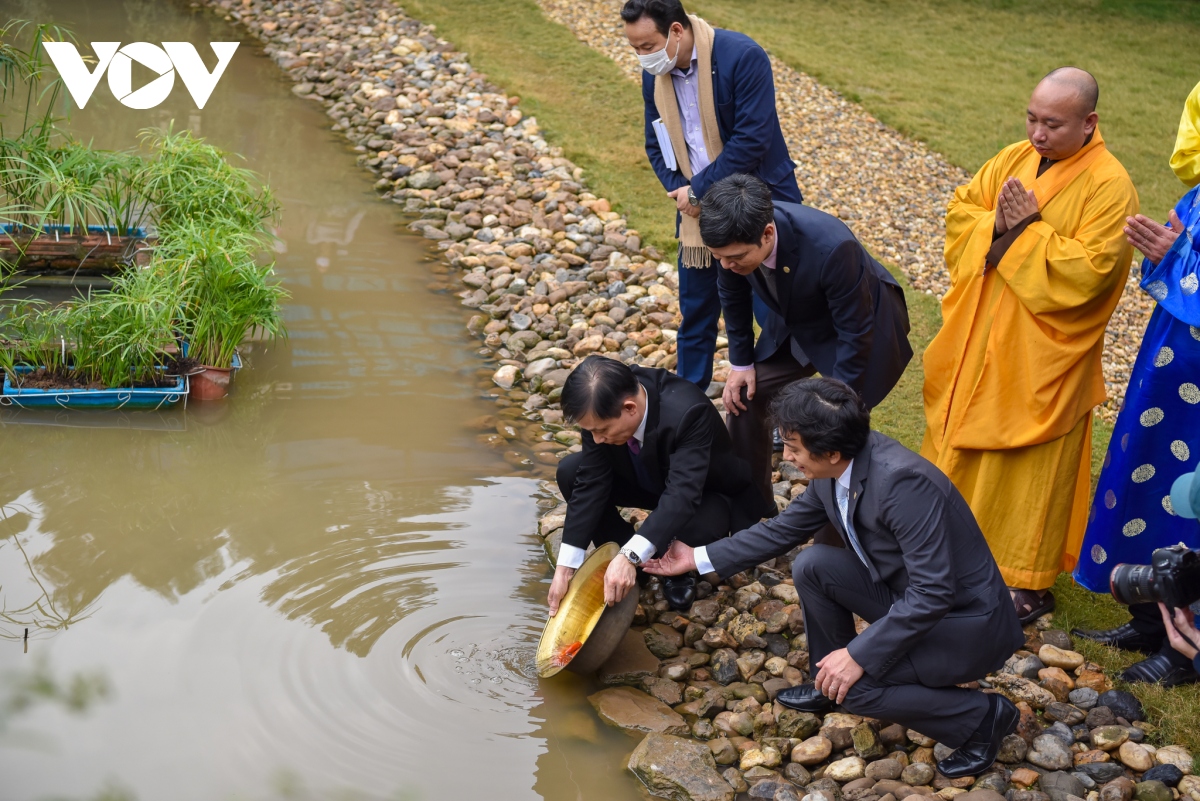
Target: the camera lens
(1134, 584)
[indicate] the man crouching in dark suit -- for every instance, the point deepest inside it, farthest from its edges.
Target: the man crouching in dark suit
(651, 440)
(914, 565)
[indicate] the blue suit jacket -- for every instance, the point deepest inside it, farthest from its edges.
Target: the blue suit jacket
(744, 93)
(840, 305)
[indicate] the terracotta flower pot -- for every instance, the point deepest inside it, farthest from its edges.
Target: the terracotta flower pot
(209, 383)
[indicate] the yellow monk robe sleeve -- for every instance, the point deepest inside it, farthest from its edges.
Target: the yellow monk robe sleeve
(1185, 161)
(1059, 278)
(973, 207)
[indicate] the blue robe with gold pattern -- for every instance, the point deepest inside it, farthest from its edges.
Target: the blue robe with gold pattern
(1157, 435)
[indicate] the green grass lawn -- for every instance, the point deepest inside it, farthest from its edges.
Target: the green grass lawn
(954, 74)
(581, 100)
(957, 73)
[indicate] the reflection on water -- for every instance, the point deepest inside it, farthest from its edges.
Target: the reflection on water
(324, 587)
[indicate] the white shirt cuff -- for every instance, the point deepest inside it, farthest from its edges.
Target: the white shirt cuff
(570, 556)
(737, 368)
(643, 547)
(703, 566)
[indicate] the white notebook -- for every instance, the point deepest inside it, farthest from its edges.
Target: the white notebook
(664, 144)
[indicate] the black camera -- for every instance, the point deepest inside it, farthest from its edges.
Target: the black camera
(1173, 577)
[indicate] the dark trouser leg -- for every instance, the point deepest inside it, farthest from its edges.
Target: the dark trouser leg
(1147, 619)
(611, 526)
(751, 429)
(709, 524)
(834, 585)
(701, 308)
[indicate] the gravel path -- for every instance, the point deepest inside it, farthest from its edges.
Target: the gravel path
(896, 202)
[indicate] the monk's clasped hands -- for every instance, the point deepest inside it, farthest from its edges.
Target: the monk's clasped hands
(1014, 205)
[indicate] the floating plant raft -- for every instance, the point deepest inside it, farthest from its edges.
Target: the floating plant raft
(57, 250)
(108, 398)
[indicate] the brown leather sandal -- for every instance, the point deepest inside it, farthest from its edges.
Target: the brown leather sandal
(1032, 604)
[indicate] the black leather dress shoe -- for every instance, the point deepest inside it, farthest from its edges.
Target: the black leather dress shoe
(805, 698)
(979, 752)
(1159, 669)
(1125, 637)
(680, 591)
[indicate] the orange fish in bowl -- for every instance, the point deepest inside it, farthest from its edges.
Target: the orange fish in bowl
(565, 654)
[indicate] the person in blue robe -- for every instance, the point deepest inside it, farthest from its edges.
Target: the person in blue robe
(1156, 439)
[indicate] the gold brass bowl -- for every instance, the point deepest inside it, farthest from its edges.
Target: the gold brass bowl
(585, 631)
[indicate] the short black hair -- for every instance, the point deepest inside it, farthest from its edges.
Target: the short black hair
(665, 13)
(736, 211)
(826, 414)
(598, 386)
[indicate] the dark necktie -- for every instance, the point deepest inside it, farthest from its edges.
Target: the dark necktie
(639, 469)
(770, 280)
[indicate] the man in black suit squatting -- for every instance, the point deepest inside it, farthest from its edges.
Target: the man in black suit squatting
(651, 440)
(837, 311)
(914, 565)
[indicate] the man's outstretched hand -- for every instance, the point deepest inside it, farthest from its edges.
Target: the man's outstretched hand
(678, 559)
(838, 673)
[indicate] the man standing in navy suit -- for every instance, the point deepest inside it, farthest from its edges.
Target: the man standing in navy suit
(715, 109)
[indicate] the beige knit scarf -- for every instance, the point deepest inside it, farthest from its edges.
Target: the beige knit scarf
(691, 245)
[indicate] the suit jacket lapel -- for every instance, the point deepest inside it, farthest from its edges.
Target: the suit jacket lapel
(858, 475)
(758, 282)
(787, 259)
(650, 444)
(829, 498)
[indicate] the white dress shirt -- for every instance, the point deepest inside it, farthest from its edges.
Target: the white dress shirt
(687, 94)
(841, 492)
(571, 556)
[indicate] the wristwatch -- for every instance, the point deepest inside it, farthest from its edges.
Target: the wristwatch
(695, 201)
(631, 555)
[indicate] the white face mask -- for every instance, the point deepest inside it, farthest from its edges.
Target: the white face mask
(657, 63)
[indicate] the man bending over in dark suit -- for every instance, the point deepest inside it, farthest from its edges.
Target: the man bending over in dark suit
(915, 566)
(837, 311)
(651, 440)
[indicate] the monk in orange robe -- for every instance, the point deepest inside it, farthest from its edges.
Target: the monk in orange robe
(1038, 260)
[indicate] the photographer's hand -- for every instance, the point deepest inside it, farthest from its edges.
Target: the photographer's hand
(1181, 631)
(838, 673)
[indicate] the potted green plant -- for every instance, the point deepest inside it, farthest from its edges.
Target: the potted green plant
(213, 221)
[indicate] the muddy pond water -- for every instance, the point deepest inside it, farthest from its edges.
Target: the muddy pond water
(324, 587)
